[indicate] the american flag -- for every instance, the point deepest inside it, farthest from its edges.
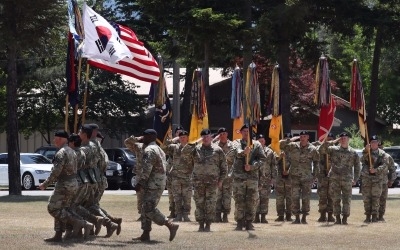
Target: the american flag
(142, 66)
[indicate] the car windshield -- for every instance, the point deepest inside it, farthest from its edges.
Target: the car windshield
(34, 159)
(394, 153)
(129, 154)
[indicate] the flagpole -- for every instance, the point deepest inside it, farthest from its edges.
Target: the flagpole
(66, 113)
(85, 94)
(76, 105)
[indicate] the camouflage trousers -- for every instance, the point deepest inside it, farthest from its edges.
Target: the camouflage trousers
(340, 191)
(60, 202)
(182, 192)
(283, 192)
(139, 199)
(325, 202)
(301, 189)
(264, 191)
(150, 212)
(101, 186)
(205, 198)
(371, 192)
(224, 197)
(245, 193)
(383, 198)
(170, 195)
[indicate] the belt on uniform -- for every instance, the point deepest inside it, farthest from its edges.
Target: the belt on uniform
(67, 177)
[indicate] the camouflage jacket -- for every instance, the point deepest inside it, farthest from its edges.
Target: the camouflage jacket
(209, 164)
(181, 161)
(102, 158)
(257, 160)
(304, 160)
(153, 167)
(392, 175)
(227, 148)
(380, 161)
(90, 151)
(269, 168)
(324, 159)
(344, 162)
(137, 148)
(65, 166)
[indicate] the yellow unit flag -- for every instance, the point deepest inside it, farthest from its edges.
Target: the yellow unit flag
(274, 132)
(196, 125)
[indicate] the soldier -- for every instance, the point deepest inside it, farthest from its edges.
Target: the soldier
(225, 192)
(375, 164)
(134, 144)
(266, 180)
(101, 178)
(325, 203)
(386, 183)
(180, 173)
(152, 181)
(247, 169)
(283, 186)
(209, 171)
(343, 172)
(304, 163)
(64, 173)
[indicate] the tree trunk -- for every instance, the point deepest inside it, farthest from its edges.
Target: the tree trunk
(206, 75)
(186, 114)
(374, 91)
(14, 172)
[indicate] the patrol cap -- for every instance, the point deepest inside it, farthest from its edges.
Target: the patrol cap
(74, 138)
(303, 133)
(149, 131)
(183, 132)
(287, 135)
(61, 133)
(178, 128)
(205, 131)
(260, 136)
(86, 127)
(99, 135)
(93, 126)
(222, 130)
(331, 135)
(373, 138)
(343, 134)
(244, 126)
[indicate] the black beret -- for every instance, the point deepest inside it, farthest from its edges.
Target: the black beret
(331, 135)
(287, 135)
(303, 133)
(93, 125)
(74, 138)
(343, 134)
(244, 126)
(260, 136)
(374, 138)
(221, 130)
(178, 128)
(183, 132)
(61, 133)
(205, 131)
(86, 127)
(149, 131)
(99, 135)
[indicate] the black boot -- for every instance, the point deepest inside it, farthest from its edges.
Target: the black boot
(218, 217)
(289, 217)
(330, 217)
(207, 227)
(201, 226)
(239, 226)
(280, 218)
(338, 220)
(374, 218)
(257, 218)
(56, 238)
(380, 218)
(344, 220)
(144, 237)
(297, 220)
(249, 225)
(225, 218)
(173, 228)
(263, 219)
(304, 219)
(367, 218)
(322, 218)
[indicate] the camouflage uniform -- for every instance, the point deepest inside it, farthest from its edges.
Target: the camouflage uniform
(209, 168)
(304, 164)
(390, 177)
(136, 147)
(372, 183)
(245, 183)
(64, 174)
(283, 190)
(264, 185)
(224, 195)
(180, 176)
(345, 167)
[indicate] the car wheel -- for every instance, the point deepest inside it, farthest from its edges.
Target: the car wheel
(28, 183)
(132, 181)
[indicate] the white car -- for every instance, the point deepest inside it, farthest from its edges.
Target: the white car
(35, 169)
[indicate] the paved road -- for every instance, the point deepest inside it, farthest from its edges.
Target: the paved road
(3, 192)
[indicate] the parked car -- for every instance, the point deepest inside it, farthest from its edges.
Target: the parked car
(394, 152)
(127, 159)
(114, 173)
(35, 169)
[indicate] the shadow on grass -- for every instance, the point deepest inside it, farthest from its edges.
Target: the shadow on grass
(22, 198)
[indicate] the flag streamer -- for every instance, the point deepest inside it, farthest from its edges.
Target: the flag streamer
(251, 104)
(198, 106)
(275, 127)
(357, 99)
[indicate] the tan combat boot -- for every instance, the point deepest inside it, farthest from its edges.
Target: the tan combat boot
(218, 217)
(239, 226)
(207, 227)
(144, 237)
(186, 218)
(322, 218)
(257, 218)
(330, 217)
(338, 220)
(56, 238)
(173, 228)
(225, 218)
(263, 219)
(297, 220)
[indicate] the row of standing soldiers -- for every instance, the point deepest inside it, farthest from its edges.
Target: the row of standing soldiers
(78, 174)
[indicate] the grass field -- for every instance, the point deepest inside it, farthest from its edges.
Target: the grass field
(24, 223)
